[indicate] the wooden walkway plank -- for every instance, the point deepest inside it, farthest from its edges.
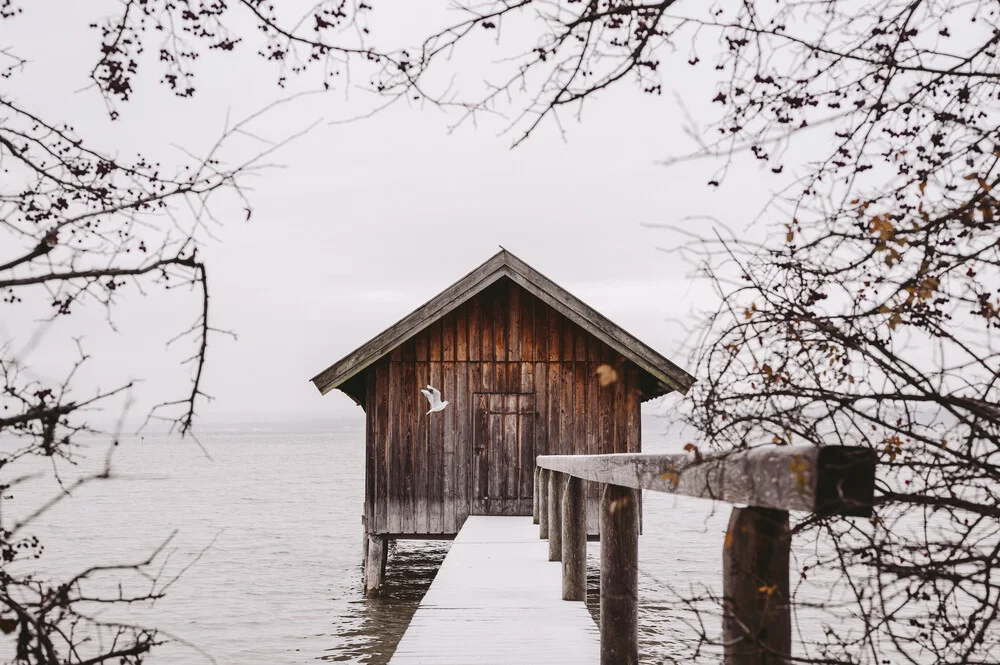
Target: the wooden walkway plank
(498, 600)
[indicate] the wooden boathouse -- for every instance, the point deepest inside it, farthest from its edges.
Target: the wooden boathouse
(527, 368)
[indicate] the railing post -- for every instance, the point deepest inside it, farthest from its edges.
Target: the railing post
(619, 576)
(555, 515)
(534, 496)
(574, 540)
(543, 504)
(757, 621)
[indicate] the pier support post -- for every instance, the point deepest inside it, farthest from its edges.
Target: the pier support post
(619, 576)
(556, 483)
(574, 540)
(376, 554)
(535, 499)
(757, 620)
(543, 504)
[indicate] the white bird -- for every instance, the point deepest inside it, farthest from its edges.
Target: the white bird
(433, 396)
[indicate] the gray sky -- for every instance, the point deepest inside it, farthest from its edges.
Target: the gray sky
(367, 220)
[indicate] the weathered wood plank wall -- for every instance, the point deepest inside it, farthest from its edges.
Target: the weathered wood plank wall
(420, 474)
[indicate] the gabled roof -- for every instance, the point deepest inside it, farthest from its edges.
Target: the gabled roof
(504, 264)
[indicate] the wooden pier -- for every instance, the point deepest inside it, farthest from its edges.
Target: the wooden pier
(503, 595)
(497, 599)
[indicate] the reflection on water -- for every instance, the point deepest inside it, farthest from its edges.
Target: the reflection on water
(369, 631)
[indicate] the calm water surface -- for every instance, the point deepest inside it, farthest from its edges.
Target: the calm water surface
(271, 529)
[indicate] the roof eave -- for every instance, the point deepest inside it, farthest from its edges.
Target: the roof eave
(342, 370)
(502, 264)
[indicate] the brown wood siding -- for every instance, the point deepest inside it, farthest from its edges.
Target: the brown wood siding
(421, 470)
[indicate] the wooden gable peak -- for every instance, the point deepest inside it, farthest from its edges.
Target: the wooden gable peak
(500, 265)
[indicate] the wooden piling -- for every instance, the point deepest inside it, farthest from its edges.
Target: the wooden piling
(376, 554)
(574, 540)
(534, 499)
(556, 482)
(543, 504)
(757, 620)
(619, 576)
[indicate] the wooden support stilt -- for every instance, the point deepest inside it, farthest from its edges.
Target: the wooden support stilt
(543, 504)
(574, 540)
(376, 554)
(757, 621)
(535, 500)
(619, 576)
(555, 516)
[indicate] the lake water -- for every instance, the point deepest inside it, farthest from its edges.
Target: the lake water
(276, 520)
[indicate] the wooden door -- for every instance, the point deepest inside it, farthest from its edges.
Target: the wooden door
(503, 453)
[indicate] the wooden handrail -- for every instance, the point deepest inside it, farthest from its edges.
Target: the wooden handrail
(830, 480)
(768, 480)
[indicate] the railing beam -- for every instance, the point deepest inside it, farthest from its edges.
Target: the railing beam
(828, 480)
(619, 576)
(555, 515)
(574, 540)
(757, 620)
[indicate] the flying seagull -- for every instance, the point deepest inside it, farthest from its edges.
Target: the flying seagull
(433, 396)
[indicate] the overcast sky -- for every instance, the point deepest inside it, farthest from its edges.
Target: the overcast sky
(367, 220)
